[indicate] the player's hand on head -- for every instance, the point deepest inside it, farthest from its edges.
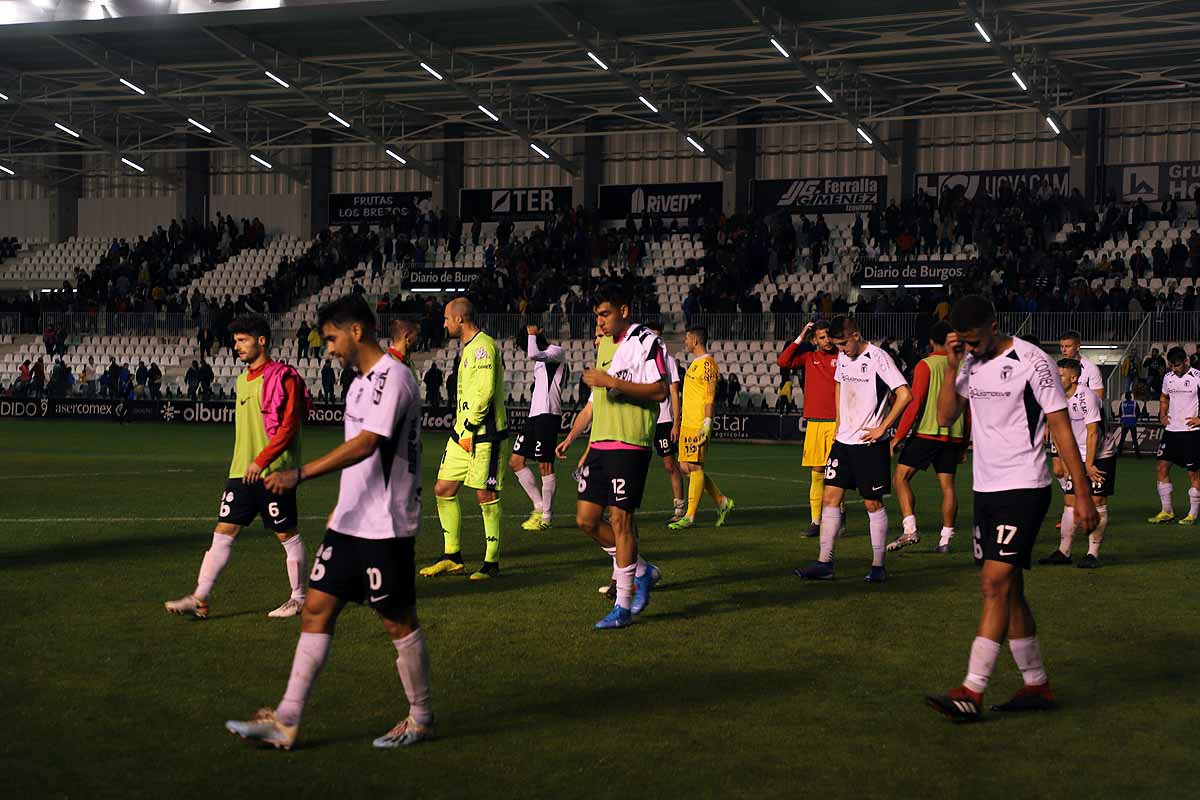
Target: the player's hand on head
(532, 330)
(252, 474)
(955, 350)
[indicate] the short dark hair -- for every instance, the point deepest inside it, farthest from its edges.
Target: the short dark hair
(842, 326)
(1177, 355)
(611, 293)
(971, 312)
(820, 325)
(700, 332)
(347, 311)
(1072, 336)
(938, 331)
(251, 324)
(1071, 364)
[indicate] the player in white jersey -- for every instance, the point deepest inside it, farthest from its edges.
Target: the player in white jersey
(1014, 395)
(870, 394)
(367, 554)
(666, 434)
(1179, 412)
(1090, 378)
(1097, 448)
(540, 436)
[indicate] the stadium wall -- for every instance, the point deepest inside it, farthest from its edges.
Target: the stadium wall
(363, 168)
(1018, 140)
(26, 218)
(238, 189)
(1152, 132)
(823, 150)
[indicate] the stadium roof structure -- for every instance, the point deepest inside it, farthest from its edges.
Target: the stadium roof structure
(129, 77)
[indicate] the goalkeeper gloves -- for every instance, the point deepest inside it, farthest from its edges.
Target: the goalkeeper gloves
(705, 429)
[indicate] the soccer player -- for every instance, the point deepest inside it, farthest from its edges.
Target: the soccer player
(404, 337)
(666, 435)
(1014, 395)
(627, 387)
(699, 394)
(538, 440)
(1068, 346)
(1179, 412)
(871, 394)
(818, 360)
(271, 406)
(932, 445)
(472, 454)
(367, 554)
(1098, 451)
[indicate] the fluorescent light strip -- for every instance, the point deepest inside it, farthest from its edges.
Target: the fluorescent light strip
(133, 164)
(265, 163)
(864, 135)
(596, 59)
(6, 170)
(923, 286)
(396, 156)
(1020, 82)
(338, 119)
(821, 91)
(1099, 347)
(647, 104)
(3, 96)
(132, 86)
(66, 130)
(432, 71)
(982, 32)
(278, 79)
(694, 143)
(779, 47)
(490, 115)
(533, 146)
(880, 286)
(200, 125)
(1053, 126)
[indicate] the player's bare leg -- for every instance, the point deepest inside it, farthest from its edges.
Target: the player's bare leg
(412, 662)
(450, 515)
(1035, 694)
(215, 560)
(902, 487)
(280, 726)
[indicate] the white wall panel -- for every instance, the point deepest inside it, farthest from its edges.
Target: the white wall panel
(286, 213)
(106, 177)
(1013, 140)
(1153, 132)
(364, 168)
(231, 173)
(818, 151)
(660, 157)
(128, 217)
(489, 163)
(13, 189)
(28, 220)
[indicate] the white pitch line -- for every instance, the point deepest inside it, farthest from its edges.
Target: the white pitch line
(87, 474)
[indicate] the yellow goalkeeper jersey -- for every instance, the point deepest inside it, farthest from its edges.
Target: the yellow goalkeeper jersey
(699, 389)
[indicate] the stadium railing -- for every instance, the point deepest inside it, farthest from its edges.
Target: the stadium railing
(10, 323)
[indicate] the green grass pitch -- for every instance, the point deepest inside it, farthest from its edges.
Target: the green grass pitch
(739, 680)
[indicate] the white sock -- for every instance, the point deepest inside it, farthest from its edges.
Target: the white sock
(215, 559)
(1164, 494)
(624, 578)
(879, 525)
(640, 566)
(1097, 536)
(311, 652)
(1066, 534)
(1194, 502)
(612, 553)
(831, 520)
(947, 534)
(529, 484)
(549, 487)
(1028, 655)
(412, 662)
(984, 653)
(297, 565)
(910, 524)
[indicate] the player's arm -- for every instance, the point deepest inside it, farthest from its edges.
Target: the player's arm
(289, 426)
(710, 398)
(675, 410)
(582, 420)
(901, 398)
(920, 389)
(951, 400)
(477, 398)
(1164, 409)
(793, 355)
(553, 353)
(1093, 442)
(653, 392)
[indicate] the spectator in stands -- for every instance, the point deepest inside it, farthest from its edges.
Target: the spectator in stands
(476, 230)
(192, 380)
(433, 386)
(205, 376)
(124, 382)
(154, 378)
(24, 379)
(204, 338)
(1155, 366)
(88, 378)
(328, 381)
(347, 379)
(302, 339)
(1129, 425)
(39, 377)
(314, 343)
(734, 390)
(141, 378)
(783, 403)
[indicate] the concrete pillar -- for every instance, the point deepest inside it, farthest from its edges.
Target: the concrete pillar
(64, 200)
(900, 174)
(452, 171)
(320, 182)
(593, 166)
(745, 167)
(1087, 168)
(193, 199)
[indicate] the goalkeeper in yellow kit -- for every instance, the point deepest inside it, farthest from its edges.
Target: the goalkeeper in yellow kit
(699, 392)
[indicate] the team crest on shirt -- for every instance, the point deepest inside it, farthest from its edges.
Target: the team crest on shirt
(1005, 372)
(865, 367)
(480, 353)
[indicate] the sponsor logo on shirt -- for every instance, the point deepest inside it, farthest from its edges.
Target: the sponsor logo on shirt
(984, 394)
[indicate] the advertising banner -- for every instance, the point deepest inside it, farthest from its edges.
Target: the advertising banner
(989, 180)
(915, 272)
(1153, 183)
(439, 279)
(667, 199)
(820, 195)
(351, 208)
(491, 205)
